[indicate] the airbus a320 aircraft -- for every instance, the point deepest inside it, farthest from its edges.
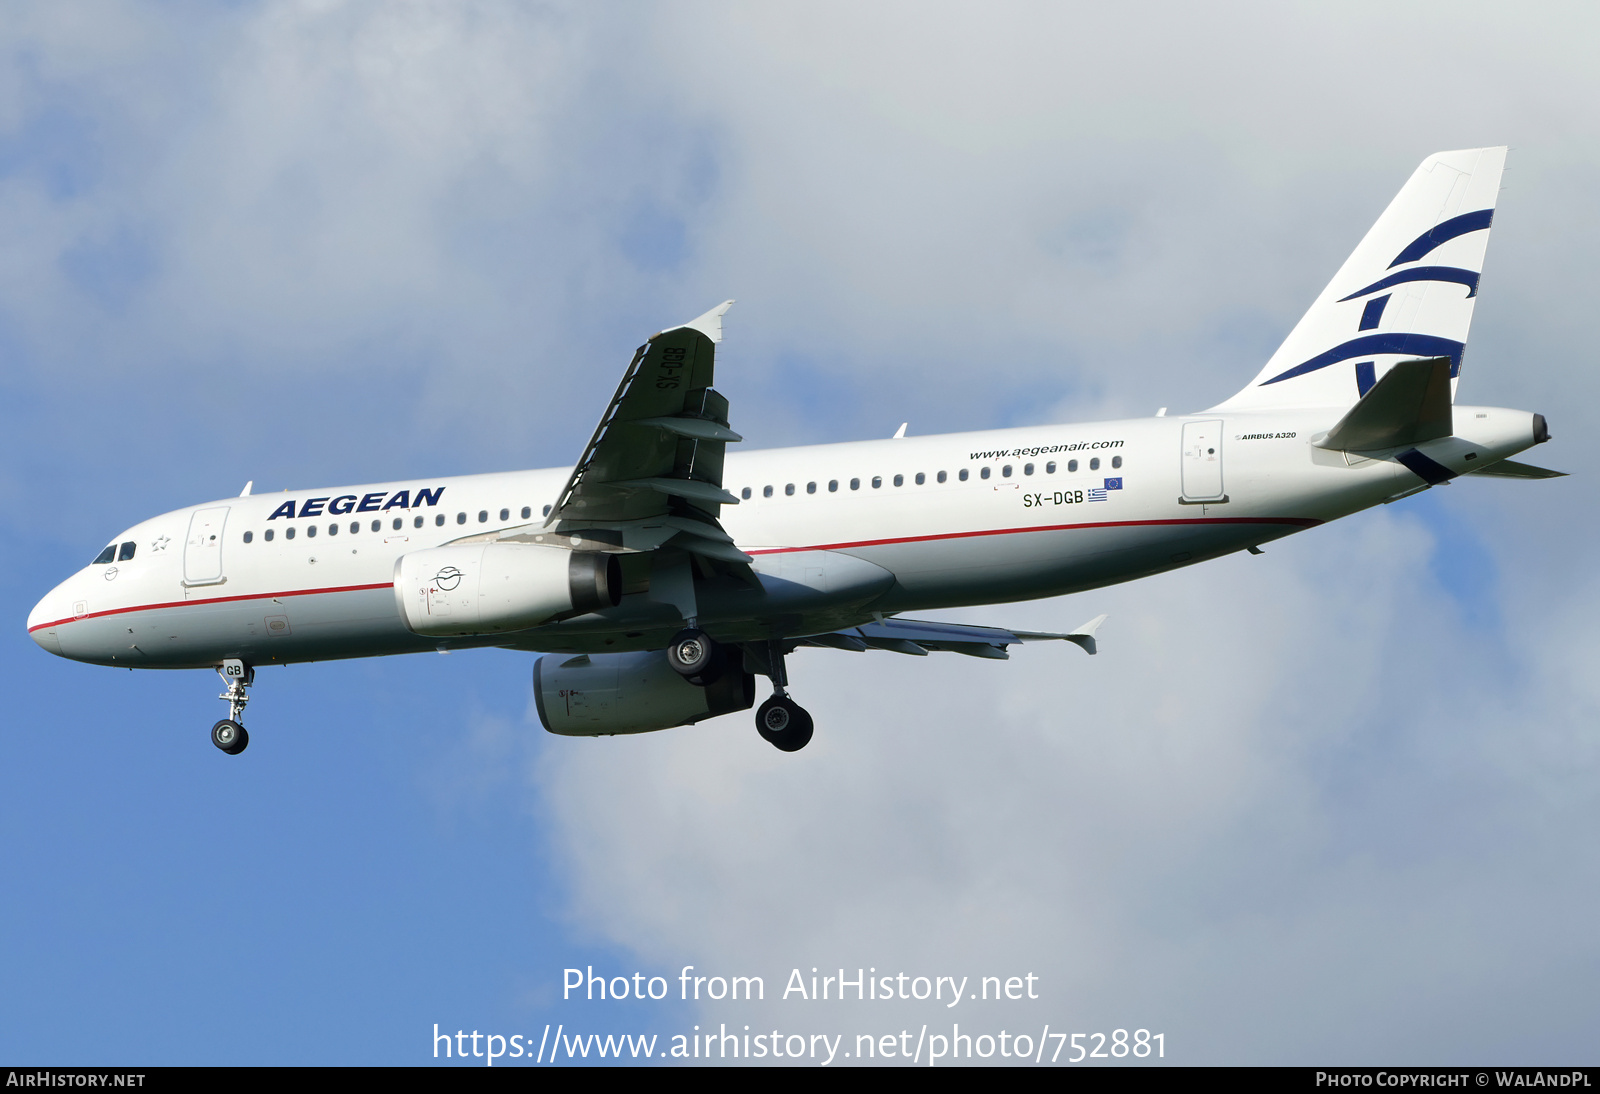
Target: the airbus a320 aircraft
(661, 574)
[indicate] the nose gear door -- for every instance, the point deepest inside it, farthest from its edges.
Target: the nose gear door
(202, 553)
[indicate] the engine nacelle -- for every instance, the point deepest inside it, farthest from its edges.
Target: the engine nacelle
(490, 588)
(604, 693)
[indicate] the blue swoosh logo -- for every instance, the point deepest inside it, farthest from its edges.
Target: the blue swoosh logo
(1417, 345)
(1443, 233)
(1451, 274)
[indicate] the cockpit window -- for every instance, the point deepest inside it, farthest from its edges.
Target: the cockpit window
(108, 555)
(127, 551)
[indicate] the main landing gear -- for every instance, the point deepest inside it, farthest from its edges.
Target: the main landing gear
(694, 656)
(782, 722)
(230, 734)
(699, 659)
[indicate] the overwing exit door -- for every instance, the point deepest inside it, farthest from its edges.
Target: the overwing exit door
(202, 552)
(1202, 463)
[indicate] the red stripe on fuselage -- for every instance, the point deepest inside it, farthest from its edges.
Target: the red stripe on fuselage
(1297, 522)
(214, 600)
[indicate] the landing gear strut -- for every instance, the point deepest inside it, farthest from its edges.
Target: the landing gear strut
(781, 721)
(229, 734)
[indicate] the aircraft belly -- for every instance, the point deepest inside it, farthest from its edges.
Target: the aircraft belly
(1024, 566)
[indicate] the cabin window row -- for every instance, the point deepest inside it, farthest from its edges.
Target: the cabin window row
(921, 478)
(397, 525)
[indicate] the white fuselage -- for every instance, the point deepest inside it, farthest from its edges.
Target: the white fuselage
(838, 532)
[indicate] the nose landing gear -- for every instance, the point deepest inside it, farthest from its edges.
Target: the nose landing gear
(229, 734)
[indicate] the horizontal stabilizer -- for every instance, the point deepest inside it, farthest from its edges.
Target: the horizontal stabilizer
(1511, 469)
(1407, 405)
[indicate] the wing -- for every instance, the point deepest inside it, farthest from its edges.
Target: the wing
(653, 469)
(918, 638)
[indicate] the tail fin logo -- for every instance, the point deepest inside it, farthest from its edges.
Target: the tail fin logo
(1407, 290)
(1420, 345)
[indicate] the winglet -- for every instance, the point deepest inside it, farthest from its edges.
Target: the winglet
(1084, 635)
(245, 493)
(709, 324)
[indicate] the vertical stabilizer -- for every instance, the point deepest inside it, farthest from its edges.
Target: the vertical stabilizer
(1406, 292)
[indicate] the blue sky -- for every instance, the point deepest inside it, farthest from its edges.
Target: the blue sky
(1329, 804)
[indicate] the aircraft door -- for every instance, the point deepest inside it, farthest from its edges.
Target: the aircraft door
(1202, 463)
(202, 553)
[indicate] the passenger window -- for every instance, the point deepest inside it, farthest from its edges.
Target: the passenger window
(984, 473)
(505, 514)
(438, 521)
(766, 491)
(288, 533)
(942, 476)
(333, 529)
(1072, 465)
(1027, 469)
(547, 510)
(745, 493)
(855, 484)
(483, 516)
(1094, 464)
(377, 524)
(461, 518)
(811, 488)
(417, 521)
(311, 530)
(877, 481)
(833, 486)
(899, 480)
(788, 491)
(248, 536)
(921, 478)
(399, 524)
(355, 526)
(1116, 461)
(1005, 472)
(108, 555)
(1050, 468)
(963, 475)
(527, 511)
(267, 535)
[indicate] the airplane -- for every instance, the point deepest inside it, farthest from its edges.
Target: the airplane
(662, 573)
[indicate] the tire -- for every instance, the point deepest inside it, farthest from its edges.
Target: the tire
(784, 724)
(230, 736)
(694, 656)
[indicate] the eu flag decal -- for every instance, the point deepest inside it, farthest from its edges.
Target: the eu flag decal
(1114, 484)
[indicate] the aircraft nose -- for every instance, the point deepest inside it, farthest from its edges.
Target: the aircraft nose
(42, 623)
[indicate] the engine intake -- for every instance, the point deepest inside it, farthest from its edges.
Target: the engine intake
(491, 588)
(601, 694)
